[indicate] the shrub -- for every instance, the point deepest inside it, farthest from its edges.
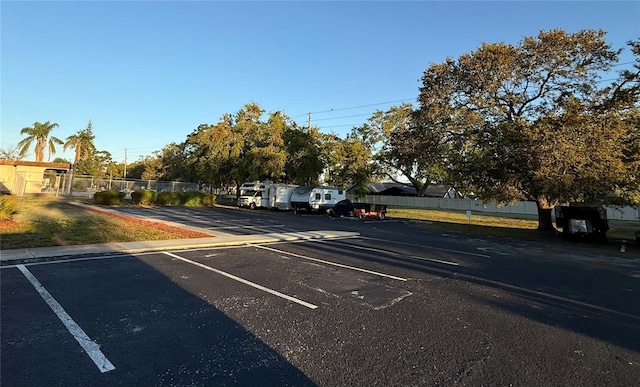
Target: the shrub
(194, 199)
(168, 199)
(190, 199)
(8, 207)
(208, 199)
(109, 197)
(144, 197)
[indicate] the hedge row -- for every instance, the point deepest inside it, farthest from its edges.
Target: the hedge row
(109, 197)
(191, 199)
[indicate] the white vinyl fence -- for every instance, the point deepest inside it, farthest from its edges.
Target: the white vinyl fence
(518, 208)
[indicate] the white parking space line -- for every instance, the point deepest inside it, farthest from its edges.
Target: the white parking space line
(249, 227)
(428, 247)
(330, 263)
(392, 253)
(244, 281)
(90, 347)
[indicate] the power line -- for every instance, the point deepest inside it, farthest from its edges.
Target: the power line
(356, 107)
(336, 118)
(339, 126)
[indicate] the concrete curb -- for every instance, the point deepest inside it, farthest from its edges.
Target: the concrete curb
(8, 257)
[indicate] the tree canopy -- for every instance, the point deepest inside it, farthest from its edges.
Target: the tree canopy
(82, 143)
(41, 134)
(532, 122)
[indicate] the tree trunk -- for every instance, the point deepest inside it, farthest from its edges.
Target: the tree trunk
(544, 216)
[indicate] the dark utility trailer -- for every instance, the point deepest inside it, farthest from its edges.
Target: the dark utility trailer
(582, 222)
(360, 210)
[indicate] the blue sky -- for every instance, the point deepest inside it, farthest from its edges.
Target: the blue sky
(148, 73)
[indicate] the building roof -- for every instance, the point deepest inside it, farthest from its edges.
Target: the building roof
(399, 189)
(17, 163)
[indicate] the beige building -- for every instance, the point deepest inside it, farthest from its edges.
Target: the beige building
(23, 177)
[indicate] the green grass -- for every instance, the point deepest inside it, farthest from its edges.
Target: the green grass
(497, 225)
(48, 221)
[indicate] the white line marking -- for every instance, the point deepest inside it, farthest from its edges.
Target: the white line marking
(90, 347)
(248, 227)
(394, 253)
(244, 281)
(330, 263)
(65, 261)
(428, 247)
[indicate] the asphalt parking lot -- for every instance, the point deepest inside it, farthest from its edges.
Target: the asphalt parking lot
(396, 305)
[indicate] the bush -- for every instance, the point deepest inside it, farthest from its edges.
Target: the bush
(190, 199)
(144, 197)
(195, 199)
(8, 207)
(109, 197)
(208, 199)
(168, 199)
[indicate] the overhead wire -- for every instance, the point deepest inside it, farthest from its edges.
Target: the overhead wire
(355, 107)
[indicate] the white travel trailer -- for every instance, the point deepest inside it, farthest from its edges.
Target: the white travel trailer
(280, 196)
(265, 194)
(319, 198)
(254, 194)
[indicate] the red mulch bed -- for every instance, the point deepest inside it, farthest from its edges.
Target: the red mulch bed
(8, 224)
(184, 233)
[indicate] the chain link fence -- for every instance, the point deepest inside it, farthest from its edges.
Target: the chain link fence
(88, 185)
(94, 184)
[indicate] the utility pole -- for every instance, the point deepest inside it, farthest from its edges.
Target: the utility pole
(125, 163)
(309, 124)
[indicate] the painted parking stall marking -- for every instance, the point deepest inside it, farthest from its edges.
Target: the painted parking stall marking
(90, 347)
(393, 253)
(244, 281)
(429, 247)
(376, 273)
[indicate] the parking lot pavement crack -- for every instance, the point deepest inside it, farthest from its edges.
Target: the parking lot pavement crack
(478, 361)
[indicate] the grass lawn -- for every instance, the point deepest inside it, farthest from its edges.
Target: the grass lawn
(49, 221)
(497, 225)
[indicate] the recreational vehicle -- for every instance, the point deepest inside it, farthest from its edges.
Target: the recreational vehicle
(254, 194)
(319, 198)
(280, 196)
(265, 194)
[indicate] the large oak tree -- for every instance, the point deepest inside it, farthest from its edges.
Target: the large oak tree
(530, 121)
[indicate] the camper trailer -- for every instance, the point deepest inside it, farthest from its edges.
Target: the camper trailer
(265, 194)
(254, 194)
(319, 198)
(280, 196)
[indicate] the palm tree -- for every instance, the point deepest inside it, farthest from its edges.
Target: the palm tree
(82, 141)
(40, 133)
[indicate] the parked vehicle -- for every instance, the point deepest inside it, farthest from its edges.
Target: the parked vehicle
(342, 208)
(266, 194)
(582, 222)
(367, 210)
(360, 210)
(254, 194)
(280, 196)
(319, 198)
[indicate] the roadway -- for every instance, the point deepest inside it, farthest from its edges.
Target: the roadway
(394, 305)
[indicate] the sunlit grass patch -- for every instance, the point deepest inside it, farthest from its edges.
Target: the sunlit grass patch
(49, 221)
